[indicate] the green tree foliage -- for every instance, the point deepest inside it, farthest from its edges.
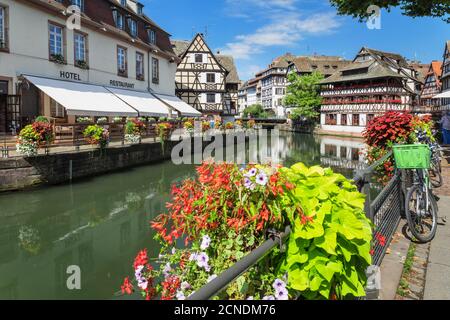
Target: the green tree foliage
(303, 95)
(255, 111)
(411, 8)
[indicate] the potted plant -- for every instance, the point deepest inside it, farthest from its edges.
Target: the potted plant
(83, 120)
(33, 136)
(189, 127)
(82, 64)
(102, 120)
(97, 135)
(57, 58)
(134, 130)
(117, 120)
(163, 130)
(229, 126)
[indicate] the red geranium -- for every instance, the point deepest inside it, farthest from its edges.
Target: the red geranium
(127, 287)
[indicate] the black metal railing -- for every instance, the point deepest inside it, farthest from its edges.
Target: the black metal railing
(384, 212)
(228, 276)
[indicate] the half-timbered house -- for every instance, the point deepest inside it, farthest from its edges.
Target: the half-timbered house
(432, 87)
(444, 96)
(206, 81)
(374, 83)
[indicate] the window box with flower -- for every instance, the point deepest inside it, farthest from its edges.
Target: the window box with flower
(57, 58)
(82, 64)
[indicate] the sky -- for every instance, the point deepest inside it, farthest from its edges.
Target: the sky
(255, 32)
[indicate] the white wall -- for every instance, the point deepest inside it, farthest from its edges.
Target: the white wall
(28, 43)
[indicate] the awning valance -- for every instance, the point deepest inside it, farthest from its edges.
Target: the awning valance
(83, 99)
(145, 103)
(443, 95)
(178, 104)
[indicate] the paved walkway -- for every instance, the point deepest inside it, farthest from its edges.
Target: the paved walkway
(437, 284)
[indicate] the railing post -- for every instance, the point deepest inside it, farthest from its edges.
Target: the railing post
(366, 191)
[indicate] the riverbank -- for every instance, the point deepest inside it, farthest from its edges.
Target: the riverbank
(20, 173)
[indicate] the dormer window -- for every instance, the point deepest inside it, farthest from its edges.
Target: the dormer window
(132, 24)
(140, 8)
(118, 19)
(123, 3)
(79, 4)
(151, 36)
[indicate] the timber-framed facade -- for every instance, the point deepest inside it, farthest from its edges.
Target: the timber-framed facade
(376, 82)
(207, 82)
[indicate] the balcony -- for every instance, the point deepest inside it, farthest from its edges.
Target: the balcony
(362, 101)
(361, 89)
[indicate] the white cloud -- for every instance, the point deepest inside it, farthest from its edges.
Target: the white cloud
(281, 31)
(249, 71)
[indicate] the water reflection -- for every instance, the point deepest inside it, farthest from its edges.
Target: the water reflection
(99, 224)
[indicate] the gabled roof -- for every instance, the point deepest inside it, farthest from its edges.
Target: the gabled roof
(373, 70)
(180, 46)
(436, 66)
(228, 63)
(383, 54)
(422, 70)
(279, 62)
(323, 64)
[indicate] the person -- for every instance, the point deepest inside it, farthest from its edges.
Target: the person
(445, 123)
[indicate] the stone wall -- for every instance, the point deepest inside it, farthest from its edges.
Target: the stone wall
(22, 173)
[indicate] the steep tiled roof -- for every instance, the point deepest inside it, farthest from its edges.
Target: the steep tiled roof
(228, 63)
(437, 67)
(369, 70)
(394, 56)
(422, 70)
(180, 46)
(326, 65)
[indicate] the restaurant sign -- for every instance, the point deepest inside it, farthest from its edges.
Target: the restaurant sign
(121, 84)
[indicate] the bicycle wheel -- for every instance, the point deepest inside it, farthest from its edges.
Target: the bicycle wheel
(435, 175)
(421, 217)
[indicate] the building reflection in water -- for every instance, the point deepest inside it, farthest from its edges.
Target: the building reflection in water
(342, 153)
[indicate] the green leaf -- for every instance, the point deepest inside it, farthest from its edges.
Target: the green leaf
(315, 283)
(298, 279)
(308, 231)
(327, 241)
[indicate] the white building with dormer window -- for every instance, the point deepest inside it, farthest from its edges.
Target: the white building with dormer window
(117, 62)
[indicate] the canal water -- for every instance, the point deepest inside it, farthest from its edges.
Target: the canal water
(99, 224)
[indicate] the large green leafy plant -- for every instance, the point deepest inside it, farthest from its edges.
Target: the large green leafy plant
(329, 248)
(225, 213)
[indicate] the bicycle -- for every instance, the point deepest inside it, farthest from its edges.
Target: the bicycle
(435, 168)
(421, 208)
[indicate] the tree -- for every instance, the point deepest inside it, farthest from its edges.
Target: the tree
(303, 95)
(255, 111)
(411, 8)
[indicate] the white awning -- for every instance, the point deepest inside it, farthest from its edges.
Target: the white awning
(178, 104)
(82, 99)
(443, 95)
(146, 104)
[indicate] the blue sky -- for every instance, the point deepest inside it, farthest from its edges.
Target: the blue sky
(256, 31)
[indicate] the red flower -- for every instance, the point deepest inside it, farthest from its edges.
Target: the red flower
(141, 259)
(381, 239)
(372, 252)
(127, 287)
(170, 286)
